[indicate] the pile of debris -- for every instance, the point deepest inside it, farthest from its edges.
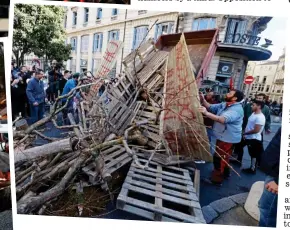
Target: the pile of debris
(147, 117)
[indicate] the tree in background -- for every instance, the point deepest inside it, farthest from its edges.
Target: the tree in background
(39, 30)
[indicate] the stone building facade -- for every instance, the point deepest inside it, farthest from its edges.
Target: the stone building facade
(89, 30)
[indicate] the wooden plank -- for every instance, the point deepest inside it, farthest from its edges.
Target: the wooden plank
(159, 194)
(152, 180)
(181, 125)
(184, 176)
(189, 195)
(197, 182)
(165, 211)
(177, 180)
(167, 197)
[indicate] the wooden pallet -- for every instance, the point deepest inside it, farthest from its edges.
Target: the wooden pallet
(124, 89)
(115, 157)
(155, 61)
(143, 51)
(161, 157)
(150, 131)
(160, 194)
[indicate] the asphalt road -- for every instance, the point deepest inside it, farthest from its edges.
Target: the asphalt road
(235, 184)
(208, 193)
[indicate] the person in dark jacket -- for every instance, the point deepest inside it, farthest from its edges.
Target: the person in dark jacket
(270, 165)
(53, 78)
(63, 81)
(36, 96)
(18, 93)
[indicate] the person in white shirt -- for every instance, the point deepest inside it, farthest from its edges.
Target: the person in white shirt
(253, 135)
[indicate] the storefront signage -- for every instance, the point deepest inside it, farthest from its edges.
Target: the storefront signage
(225, 69)
(245, 39)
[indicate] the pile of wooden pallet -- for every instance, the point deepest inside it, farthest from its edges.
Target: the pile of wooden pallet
(125, 123)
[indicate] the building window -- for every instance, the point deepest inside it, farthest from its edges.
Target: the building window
(85, 43)
(264, 79)
(139, 34)
(267, 88)
(203, 24)
(163, 28)
(86, 16)
(114, 12)
(113, 35)
(98, 42)
(73, 43)
(257, 78)
(99, 13)
(65, 21)
(75, 18)
(236, 28)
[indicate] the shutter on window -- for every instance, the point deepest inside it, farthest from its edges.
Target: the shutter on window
(230, 30)
(101, 42)
(156, 32)
(134, 38)
(170, 28)
(242, 25)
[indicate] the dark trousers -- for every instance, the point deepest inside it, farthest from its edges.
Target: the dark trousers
(239, 148)
(255, 148)
(36, 112)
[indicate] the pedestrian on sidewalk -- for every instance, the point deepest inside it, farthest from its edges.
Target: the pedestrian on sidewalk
(228, 119)
(253, 135)
(270, 165)
(36, 96)
(239, 148)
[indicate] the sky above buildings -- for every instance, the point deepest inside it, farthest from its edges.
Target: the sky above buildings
(276, 31)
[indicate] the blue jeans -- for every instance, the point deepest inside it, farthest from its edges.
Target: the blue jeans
(37, 112)
(268, 207)
(210, 136)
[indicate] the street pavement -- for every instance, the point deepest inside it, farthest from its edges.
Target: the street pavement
(208, 193)
(235, 184)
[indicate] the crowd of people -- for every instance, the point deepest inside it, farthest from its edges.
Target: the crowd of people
(32, 90)
(235, 124)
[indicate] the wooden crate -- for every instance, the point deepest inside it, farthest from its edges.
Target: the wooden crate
(160, 194)
(115, 157)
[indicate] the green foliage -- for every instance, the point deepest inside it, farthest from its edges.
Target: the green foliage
(40, 30)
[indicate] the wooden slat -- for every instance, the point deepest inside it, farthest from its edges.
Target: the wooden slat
(177, 190)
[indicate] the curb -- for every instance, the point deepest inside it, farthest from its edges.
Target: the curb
(216, 208)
